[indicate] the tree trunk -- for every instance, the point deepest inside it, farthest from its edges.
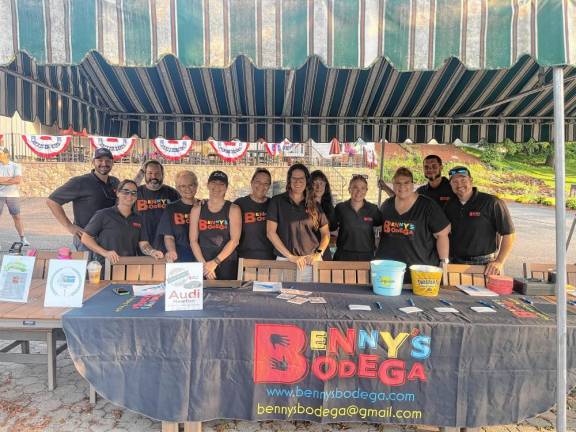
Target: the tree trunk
(550, 156)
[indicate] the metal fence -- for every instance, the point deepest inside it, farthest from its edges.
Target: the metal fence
(202, 153)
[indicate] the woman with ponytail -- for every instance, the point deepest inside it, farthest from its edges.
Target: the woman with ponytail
(296, 225)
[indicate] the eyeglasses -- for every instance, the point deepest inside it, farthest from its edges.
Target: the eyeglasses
(127, 192)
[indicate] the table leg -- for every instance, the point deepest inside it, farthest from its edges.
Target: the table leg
(51, 344)
(192, 426)
(169, 427)
(449, 429)
(93, 395)
(25, 345)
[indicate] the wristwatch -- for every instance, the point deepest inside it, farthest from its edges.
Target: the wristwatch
(319, 251)
(444, 261)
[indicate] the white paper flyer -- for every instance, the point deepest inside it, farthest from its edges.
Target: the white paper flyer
(184, 287)
(15, 278)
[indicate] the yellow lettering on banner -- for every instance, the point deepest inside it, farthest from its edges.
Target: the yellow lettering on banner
(318, 340)
(393, 344)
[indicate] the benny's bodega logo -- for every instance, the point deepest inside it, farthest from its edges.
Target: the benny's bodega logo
(279, 355)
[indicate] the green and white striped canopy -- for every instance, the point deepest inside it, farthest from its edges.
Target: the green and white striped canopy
(282, 34)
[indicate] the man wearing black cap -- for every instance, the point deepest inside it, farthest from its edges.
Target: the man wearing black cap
(153, 197)
(88, 193)
(479, 221)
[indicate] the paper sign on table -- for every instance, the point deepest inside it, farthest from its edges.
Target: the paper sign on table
(65, 283)
(143, 290)
(359, 307)
(15, 278)
(476, 291)
(482, 309)
(446, 310)
(184, 287)
(410, 309)
(267, 286)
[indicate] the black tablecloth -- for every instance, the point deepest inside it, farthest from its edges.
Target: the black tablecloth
(252, 356)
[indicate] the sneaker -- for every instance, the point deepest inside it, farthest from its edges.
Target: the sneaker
(24, 241)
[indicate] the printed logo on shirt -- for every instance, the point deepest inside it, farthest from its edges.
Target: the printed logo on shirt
(253, 217)
(444, 198)
(367, 219)
(151, 204)
(393, 227)
(474, 214)
(205, 225)
(181, 218)
(136, 225)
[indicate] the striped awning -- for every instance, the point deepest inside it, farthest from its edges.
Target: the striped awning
(242, 101)
(282, 34)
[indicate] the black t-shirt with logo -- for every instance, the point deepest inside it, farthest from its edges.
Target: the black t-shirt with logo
(295, 227)
(356, 229)
(88, 195)
(409, 237)
(113, 231)
(175, 222)
(150, 205)
(441, 194)
(476, 224)
(254, 243)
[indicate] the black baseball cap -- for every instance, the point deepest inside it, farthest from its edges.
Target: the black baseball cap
(103, 152)
(218, 176)
(462, 170)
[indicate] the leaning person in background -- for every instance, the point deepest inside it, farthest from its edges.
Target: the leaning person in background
(356, 219)
(478, 221)
(323, 197)
(175, 222)
(254, 243)
(296, 223)
(10, 178)
(117, 231)
(215, 228)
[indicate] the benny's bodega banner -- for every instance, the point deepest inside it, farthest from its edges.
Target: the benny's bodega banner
(340, 374)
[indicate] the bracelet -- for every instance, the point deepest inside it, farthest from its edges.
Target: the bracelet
(217, 261)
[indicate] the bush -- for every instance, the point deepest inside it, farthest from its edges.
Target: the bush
(571, 203)
(491, 154)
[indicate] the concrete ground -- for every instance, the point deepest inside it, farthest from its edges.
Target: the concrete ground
(26, 405)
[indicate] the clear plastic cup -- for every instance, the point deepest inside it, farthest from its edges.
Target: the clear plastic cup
(94, 268)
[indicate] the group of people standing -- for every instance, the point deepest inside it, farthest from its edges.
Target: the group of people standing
(448, 219)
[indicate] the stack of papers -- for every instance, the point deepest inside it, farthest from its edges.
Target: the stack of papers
(476, 291)
(144, 290)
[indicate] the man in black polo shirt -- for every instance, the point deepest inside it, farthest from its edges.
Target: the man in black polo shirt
(438, 187)
(88, 194)
(478, 221)
(153, 197)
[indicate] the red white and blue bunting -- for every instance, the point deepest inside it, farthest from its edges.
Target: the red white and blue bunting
(229, 151)
(119, 147)
(47, 146)
(173, 149)
(273, 149)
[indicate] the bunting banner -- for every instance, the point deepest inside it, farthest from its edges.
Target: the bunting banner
(229, 151)
(119, 147)
(47, 146)
(273, 149)
(173, 149)
(291, 149)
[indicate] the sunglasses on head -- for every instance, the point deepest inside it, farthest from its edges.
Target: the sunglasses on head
(455, 171)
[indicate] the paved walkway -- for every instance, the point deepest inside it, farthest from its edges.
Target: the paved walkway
(27, 406)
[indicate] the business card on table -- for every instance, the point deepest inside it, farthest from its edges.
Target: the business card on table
(410, 309)
(298, 300)
(359, 307)
(317, 300)
(285, 296)
(483, 309)
(295, 292)
(446, 310)
(267, 286)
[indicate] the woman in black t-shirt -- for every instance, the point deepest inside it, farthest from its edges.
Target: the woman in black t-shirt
(294, 220)
(356, 220)
(118, 231)
(415, 229)
(253, 242)
(323, 197)
(215, 228)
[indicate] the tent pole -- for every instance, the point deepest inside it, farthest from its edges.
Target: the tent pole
(558, 73)
(382, 147)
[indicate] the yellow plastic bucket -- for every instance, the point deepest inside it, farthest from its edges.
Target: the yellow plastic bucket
(426, 280)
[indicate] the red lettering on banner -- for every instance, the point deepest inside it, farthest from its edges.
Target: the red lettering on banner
(337, 339)
(346, 369)
(324, 368)
(417, 373)
(367, 365)
(392, 372)
(278, 353)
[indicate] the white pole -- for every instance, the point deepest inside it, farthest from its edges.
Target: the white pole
(560, 248)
